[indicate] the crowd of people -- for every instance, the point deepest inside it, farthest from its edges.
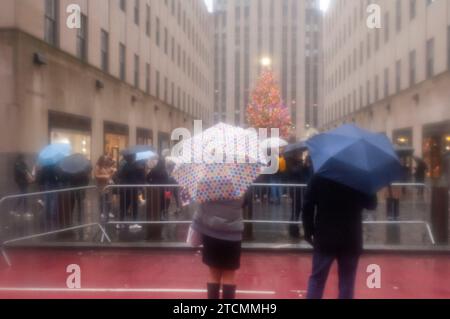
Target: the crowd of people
(60, 208)
(331, 213)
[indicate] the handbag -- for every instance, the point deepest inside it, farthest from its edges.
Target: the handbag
(194, 238)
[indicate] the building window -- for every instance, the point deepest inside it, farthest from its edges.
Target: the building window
(82, 39)
(412, 9)
(122, 61)
(136, 71)
(148, 21)
(122, 5)
(166, 90)
(398, 76)
(147, 78)
(386, 83)
(386, 27)
(376, 88)
(412, 68)
(166, 41)
(104, 51)
(51, 22)
(430, 58)
(157, 84)
(398, 12)
(136, 12)
(157, 31)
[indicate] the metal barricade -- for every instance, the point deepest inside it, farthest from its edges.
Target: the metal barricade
(150, 212)
(58, 215)
(272, 215)
(154, 214)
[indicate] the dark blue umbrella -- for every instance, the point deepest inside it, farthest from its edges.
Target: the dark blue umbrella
(53, 153)
(75, 164)
(355, 157)
(142, 152)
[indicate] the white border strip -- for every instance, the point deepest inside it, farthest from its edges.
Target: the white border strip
(127, 290)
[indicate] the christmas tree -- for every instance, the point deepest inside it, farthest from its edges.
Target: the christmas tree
(266, 108)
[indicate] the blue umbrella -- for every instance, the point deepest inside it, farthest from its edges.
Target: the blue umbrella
(142, 152)
(355, 157)
(75, 164)
(53, 153)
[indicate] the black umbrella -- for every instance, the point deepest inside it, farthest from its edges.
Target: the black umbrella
(142, 152)
(75, 164)
(299, 146)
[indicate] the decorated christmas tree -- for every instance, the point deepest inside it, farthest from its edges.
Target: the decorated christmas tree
(266, 109)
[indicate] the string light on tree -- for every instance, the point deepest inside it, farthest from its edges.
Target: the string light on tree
(266, 109)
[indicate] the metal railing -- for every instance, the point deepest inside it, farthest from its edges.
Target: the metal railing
(270, 208)
(26, 217)
(154, 213)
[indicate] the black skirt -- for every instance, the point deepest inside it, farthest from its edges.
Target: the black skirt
(221, 254)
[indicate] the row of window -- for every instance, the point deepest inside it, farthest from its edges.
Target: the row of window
(185, 63)
(345, 32)
(349, 104)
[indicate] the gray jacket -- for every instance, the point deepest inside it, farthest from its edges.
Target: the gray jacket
(221, 220)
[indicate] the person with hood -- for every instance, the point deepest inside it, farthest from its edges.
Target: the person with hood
(130, 173)
(332, 221)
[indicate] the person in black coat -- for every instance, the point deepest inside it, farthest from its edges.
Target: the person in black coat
(130, 173)
(332, 221)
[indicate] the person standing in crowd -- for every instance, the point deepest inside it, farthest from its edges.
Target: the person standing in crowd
(23, 179)
(130, 173)
(420, 174)
(296, 174)
(48, 179)
(104, 172)
(332, 221)
(221, 226)
(157, 208)
(276, 178)
(68, 201)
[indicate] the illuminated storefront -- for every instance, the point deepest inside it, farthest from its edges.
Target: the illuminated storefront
(116, 139)
(436, 147)
(72, 129)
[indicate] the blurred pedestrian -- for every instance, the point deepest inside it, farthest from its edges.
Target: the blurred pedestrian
(104, 172)
(275, 180)
(130, 173)
(221, 225)
(332, 221)
(157, 196)
(75, 174)
(296, 174)
(48, 179)
(420, 174)
(23, 178)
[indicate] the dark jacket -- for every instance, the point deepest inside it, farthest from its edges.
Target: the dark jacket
(21, 173)
(332, 215)
(48, 178)
(131, 173)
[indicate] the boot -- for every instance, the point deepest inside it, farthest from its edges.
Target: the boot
(213, 291)
(229, 292)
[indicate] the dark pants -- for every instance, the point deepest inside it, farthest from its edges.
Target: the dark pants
(347, 267)
(129, 198)
(22, 203)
